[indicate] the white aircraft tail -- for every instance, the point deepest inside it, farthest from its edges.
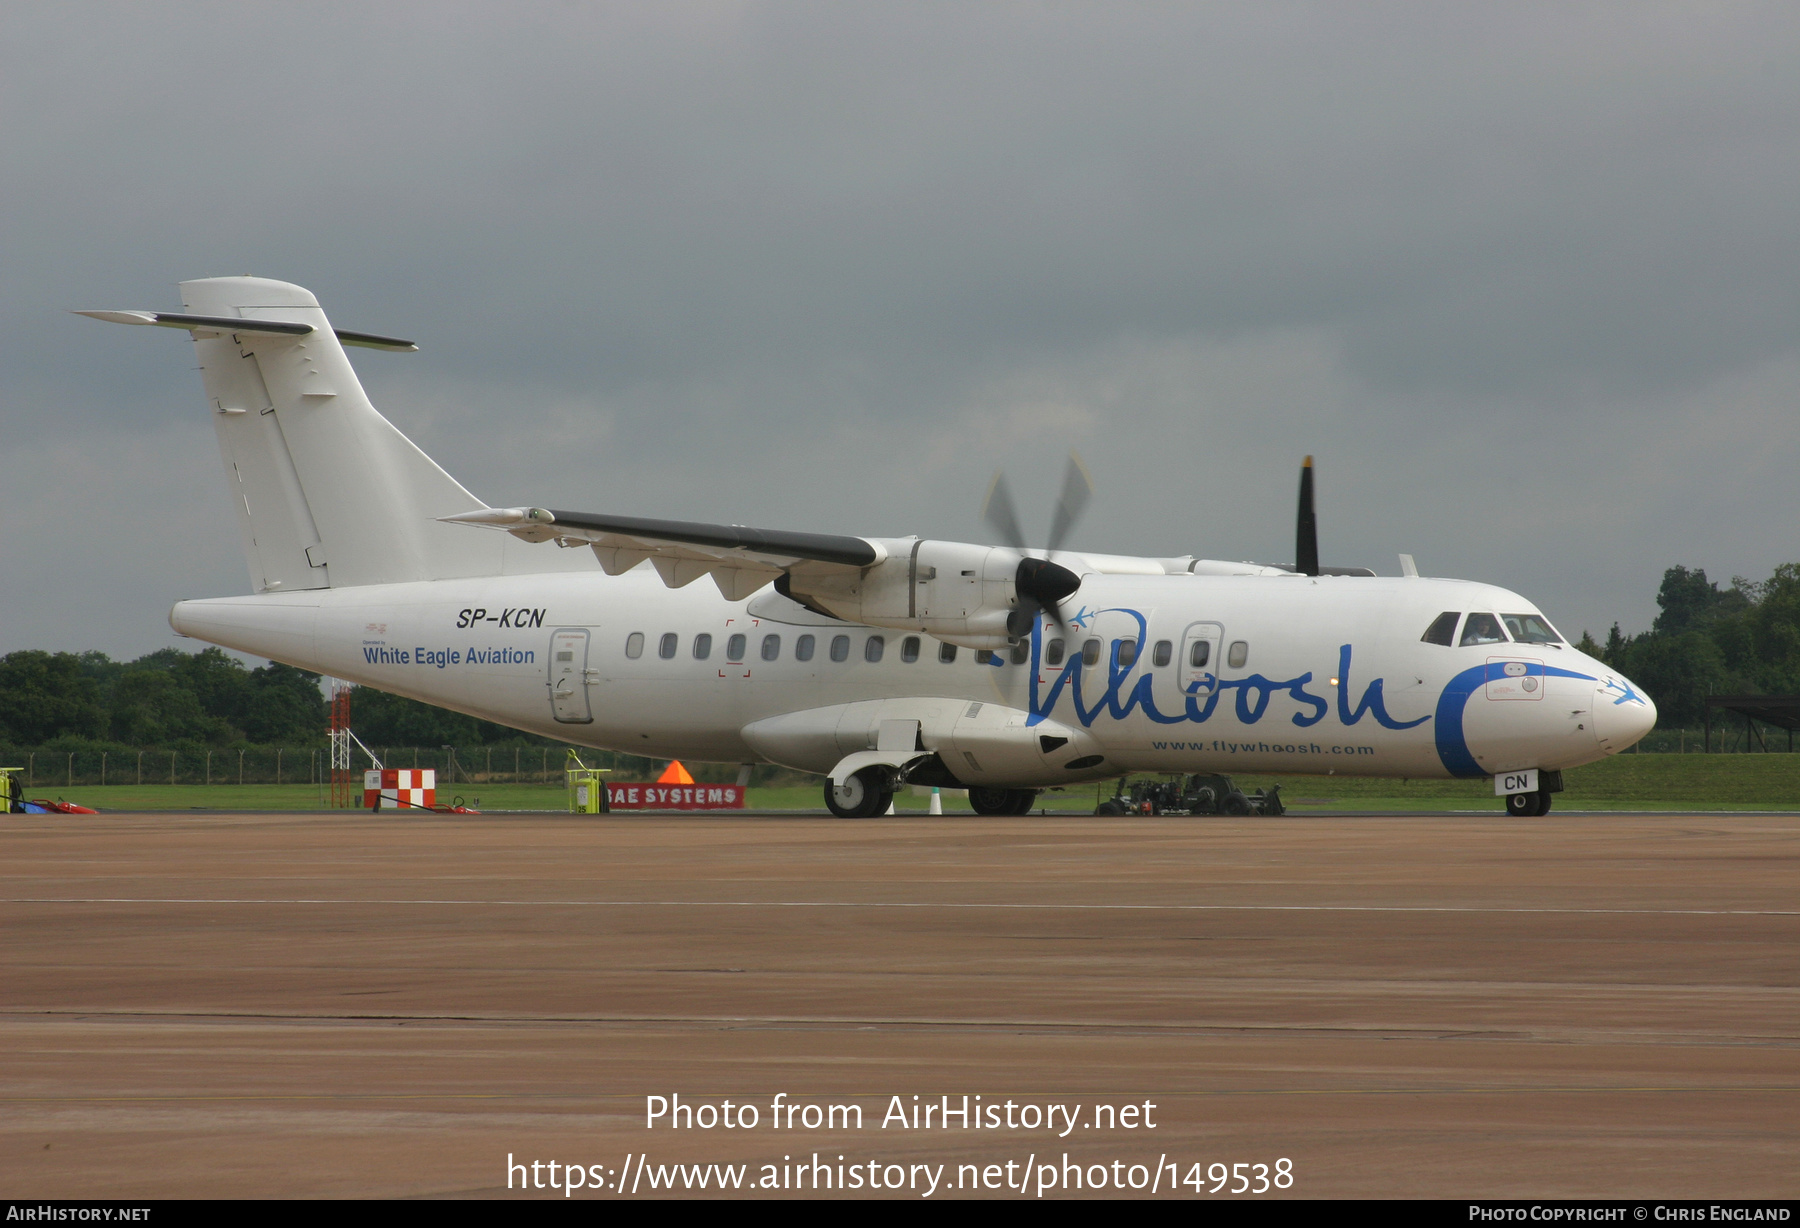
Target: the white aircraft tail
(327, 492)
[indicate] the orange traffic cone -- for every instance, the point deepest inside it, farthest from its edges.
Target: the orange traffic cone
(675, 774)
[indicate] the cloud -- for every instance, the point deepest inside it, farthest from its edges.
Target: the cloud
(1522, 277)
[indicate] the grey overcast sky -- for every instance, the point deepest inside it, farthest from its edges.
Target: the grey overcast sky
(1523, 277)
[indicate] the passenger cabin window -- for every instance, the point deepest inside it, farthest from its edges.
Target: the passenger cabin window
(872, 648)
(1239, 653)
(702, 647)
(665, 647)
(983, 657)
(909, 649)
(634, 645)
(1127, 653)
(1482, 629)
(947, 653)
(840, 648)
(771, 648)
(1162, 654)
(734, 648)
(1199, 653)
(1090, 652)
(1021, 652)
(1531, 629)
(1442, 629)
(1053, 653)
(803, 648)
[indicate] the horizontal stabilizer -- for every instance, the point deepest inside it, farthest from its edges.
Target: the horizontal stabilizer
(237, 324)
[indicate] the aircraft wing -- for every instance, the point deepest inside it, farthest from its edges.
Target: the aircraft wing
(741, 559)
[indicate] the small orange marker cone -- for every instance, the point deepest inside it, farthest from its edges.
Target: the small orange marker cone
(675, 774)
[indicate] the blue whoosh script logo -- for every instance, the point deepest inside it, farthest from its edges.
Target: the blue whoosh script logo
(1129, 688)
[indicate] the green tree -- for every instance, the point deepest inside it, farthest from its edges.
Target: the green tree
(45, 695)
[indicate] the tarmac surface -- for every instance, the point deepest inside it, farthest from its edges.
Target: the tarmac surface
(356, 1005)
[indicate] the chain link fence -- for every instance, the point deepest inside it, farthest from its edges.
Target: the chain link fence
(64, 767)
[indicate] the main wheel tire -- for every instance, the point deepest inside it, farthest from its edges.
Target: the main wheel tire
(1111, 806)
(1543, 803)
(863, 796)
(1522, 805)
(985, 800)
(1236, 803)
(1023, 801)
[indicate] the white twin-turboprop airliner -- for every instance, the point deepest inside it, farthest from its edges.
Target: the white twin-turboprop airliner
(879, 661)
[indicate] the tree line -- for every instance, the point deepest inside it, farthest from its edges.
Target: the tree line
(1707, 640)
(206, 699)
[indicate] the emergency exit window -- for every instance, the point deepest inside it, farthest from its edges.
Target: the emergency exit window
(734, 648)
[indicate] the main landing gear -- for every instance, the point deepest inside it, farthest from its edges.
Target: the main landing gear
(863, 796)
(1528, 805)
(871, 791)
(1002, 801)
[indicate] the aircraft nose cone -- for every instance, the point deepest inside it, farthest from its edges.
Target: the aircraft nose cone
(1623, 714)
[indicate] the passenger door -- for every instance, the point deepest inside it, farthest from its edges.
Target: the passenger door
(569, 675)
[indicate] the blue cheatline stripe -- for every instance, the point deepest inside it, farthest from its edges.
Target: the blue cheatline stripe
(1452, 748)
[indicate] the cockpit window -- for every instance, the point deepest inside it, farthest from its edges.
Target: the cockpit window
(1482, 629)
(1442, 629)
(1531, 629)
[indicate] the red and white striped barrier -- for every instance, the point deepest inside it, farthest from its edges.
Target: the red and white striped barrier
(400, 788)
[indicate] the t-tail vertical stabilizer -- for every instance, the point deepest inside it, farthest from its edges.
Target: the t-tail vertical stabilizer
(327, 492)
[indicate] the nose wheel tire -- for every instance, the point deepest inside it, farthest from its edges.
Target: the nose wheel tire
(863, 796)
(1527, 805)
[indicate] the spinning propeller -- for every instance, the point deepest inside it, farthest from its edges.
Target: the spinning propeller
(1040, 583)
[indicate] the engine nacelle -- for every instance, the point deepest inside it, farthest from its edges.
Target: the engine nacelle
(954, 591)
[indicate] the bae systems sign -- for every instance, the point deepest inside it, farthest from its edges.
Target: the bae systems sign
(627, 796)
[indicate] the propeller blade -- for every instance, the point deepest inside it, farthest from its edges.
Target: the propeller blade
(997, 510)
(1306, 537)
(1078, 488)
